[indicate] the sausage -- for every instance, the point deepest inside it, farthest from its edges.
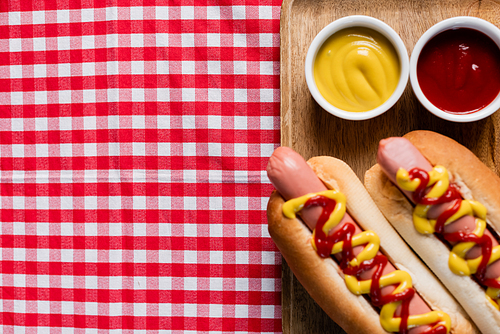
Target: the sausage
(462, 211)
(396, 152)
(292, 177)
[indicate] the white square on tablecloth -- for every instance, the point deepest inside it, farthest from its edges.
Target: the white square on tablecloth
(91, 308)
(137, 67)
(112, 13)
(90, 254)
(215, 203)
(240, 67)
(62, 16)
(267, 95)
(215, 310)
(88, 42)
(16, 71)
(189, 176)
(64, 97)
(265, 40)
(67, 307)
(87, 14)
(67, 229)
(63, 43)
(266, 123)
(241, 231)
(15, 45)
(140, 310)
(136, 40)
(43, 306)
(39, 44)
(65, 150)
(140, 255)
(114, 202)
(136, 13)
(187, 40)
(238, 12)
(267, 68)
(239, 40)
(189, 149)
(67, 282)
(216, 283)
(161, 13)
(190, 230)
(138, 149)
(90, 202)
(65, 123)
(216, 257)
(265, 12)
(39, 70)
(90, 149)
(42, 203)
(64, 70)
(242, 257)
(113, 122)
(187, 13)
(19, 254)
(240, 95)
(18, 203)
(241, 311)
(17, 124)
(165, 310)
(43, 281)
(213, 13)
(67, 255)
(190, 283)
(240, 149)
(88, 69)
(89, 122)
(38, 17)
(267, 311)
(213, 40)
(115, 255)
(16, 98)
(14, 18)
(19, 306)
(268, 284)
(190, 257)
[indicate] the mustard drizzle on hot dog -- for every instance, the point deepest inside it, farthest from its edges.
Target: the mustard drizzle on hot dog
(438, 180)
(354, 265)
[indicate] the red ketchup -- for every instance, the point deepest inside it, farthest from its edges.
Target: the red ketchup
(324, 244)
(459, 70)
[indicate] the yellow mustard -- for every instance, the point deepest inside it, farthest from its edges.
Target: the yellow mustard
(371, 242)
(356, 69)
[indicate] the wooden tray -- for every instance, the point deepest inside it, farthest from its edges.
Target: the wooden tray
(311, 131)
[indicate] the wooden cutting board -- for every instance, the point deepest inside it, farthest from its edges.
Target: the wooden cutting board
(311, 131)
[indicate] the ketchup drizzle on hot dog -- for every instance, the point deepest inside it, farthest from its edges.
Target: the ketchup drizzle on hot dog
(419, 194)
(324, 245)
(452, 194)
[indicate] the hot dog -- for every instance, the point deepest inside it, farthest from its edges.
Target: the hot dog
(306, 245)
(448, 234)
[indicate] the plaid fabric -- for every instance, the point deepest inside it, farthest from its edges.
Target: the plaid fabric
(134, 137)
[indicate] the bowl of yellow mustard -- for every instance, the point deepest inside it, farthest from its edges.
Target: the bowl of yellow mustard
(357, 67)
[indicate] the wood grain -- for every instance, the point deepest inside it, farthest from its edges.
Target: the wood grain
(312, 131)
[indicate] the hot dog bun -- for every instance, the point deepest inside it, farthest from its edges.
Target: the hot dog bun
(323, 278)
(476, 181)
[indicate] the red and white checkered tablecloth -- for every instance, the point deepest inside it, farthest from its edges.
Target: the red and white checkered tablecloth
(134, 136)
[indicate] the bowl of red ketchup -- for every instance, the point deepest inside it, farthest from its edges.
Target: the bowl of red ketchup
(455, 69)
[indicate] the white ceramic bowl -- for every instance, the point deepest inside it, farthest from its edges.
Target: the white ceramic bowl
(483, 26)
(349, 22)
